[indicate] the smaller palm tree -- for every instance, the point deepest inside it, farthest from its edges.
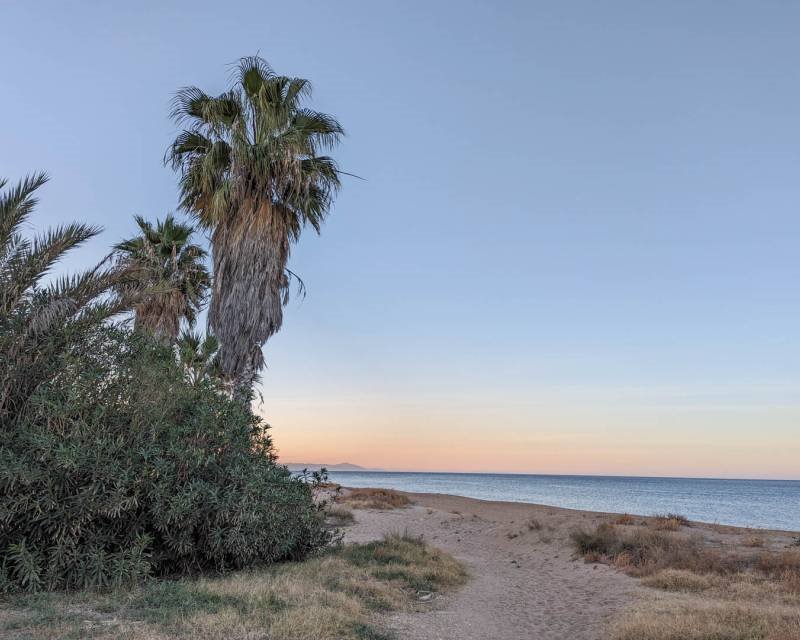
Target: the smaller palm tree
(172, 269)
(198, 357)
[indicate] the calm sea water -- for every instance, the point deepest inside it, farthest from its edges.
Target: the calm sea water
(771, 504)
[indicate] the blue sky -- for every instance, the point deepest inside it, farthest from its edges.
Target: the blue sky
(574, 248)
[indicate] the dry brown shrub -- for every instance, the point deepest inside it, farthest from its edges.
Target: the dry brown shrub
(664, 523)
(641, 552)
(753, 541)
(706, 594)
(782, 566)
(338, 515)
(534, 525)
(383, 499)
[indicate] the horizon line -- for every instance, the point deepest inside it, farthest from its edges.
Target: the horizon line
(553, 475)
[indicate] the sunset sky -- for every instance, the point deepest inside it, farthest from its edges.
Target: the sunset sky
(574, 248)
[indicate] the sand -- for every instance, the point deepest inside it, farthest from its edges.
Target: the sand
(525, 582)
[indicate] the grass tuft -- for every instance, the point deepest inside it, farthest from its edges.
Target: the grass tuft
(534, 525)
(753, 541)
(338, 516)
(384, 499)
(669, 522)
(679, 580)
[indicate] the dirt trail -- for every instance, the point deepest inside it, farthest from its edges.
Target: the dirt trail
(524, 582)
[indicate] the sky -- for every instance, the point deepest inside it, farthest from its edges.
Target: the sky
(572, 249)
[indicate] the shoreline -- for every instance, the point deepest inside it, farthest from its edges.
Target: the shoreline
(762, 504)
(422, 495)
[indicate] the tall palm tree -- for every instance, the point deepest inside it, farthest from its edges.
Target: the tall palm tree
(173, 269)
(252, 173)
(39, 321)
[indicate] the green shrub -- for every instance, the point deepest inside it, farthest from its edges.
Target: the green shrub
(117, 468)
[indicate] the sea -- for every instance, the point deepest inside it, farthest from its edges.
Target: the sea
(767, 504)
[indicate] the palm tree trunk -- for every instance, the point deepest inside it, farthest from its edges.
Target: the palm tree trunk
(250, 252)
(152, 318)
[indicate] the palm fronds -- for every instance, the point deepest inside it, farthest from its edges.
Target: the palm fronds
(197, 355)
(253, 171)
(172, 271)
(39, 320)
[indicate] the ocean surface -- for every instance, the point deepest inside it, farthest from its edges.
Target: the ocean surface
(768, 504)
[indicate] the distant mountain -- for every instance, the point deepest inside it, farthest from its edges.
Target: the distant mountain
(313, 466)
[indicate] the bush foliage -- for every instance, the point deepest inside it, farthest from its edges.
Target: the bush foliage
(118, 468)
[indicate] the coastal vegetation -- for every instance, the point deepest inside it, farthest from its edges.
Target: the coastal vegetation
(118, 469)
(140, 495)
(125, 454)
(341, 594)
(373, 499)
(700, 591)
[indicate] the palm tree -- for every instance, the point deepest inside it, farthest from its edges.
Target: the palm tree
(198, 356)
(251, 173)
(38, 322)
(173, 269)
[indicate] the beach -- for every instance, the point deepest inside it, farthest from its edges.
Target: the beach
(526, 580)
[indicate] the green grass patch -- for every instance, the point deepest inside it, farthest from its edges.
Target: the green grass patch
(339, 595)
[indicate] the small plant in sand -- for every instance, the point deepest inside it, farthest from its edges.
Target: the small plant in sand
(753, 541)
(669, 522)
(534, 525)
(383, 499)
(338, 515)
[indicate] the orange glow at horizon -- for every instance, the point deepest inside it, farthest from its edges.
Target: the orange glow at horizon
(709, 442)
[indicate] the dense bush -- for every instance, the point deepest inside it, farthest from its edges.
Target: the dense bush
(117, 468)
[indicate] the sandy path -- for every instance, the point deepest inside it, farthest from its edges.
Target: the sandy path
(524, 582)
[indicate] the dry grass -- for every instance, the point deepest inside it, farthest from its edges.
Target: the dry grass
(644, 551)
(669, 522)
(753, 541)
(679, 580)
(338, 516)
(624, 519)
(339, 596)
(663, 523)
(702, 593)
(682, 618)
(384, 499)
(783, 567)
(534, 525)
